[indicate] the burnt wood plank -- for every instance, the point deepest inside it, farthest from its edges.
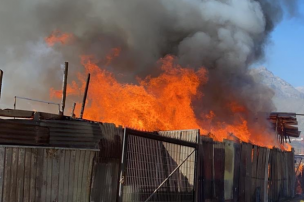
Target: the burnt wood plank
(242, 178)
(237, 173)
(219, 169)
(260, 171)
(254, 172)
(264, 194)
(248, 183)
(208, 170)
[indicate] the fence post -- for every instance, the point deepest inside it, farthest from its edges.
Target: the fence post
(123, 165)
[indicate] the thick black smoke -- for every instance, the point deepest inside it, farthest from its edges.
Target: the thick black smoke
(224, 36)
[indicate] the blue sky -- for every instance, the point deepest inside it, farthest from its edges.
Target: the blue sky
(285, 55)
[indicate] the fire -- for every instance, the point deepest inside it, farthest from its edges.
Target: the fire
(299, 173)
(161, 103)
(58, 37)
(164, 102)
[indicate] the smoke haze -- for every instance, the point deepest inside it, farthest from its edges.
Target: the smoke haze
(224, 36)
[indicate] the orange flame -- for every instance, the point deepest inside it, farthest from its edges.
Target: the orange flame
(156, 103)
(299, 178)
(58, 37)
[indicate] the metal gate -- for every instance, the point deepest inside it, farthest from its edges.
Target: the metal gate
(158, 166)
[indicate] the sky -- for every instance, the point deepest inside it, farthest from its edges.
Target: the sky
(285, 54)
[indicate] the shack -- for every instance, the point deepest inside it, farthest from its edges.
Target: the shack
(48, 157)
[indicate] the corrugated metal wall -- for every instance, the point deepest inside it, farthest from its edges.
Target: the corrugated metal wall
(231, 171)
(45, 174)
(54, 133)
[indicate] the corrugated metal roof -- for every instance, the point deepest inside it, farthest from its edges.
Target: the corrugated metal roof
(78, 134)
(55, 133)
(15, 132)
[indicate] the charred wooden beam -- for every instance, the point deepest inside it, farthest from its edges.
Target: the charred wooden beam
(85, 96)
(73, 109)
(64, 86)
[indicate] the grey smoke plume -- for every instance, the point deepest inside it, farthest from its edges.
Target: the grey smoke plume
(225, 36)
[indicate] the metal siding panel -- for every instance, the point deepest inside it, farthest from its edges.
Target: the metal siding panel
(27, 175)
(84, 188)
(49, 158)
(39, 175)
(55, 175)
(61, 175)
(80, 176)
(89, 175)
(71, 176)
(14, 171)
(76, 177)
(67, 133)
(44, 176)
(20, 175)
(22, 133)
(7, 174)
(33, 174)
(66, 183)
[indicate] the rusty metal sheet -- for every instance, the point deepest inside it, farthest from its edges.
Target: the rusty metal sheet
(75, 134)
(12, 132)
(55, 133)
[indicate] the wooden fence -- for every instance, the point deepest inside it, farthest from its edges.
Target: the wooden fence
(217, 171)
(225, 171)
(243, 172)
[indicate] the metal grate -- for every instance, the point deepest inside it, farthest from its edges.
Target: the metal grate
(149, 162)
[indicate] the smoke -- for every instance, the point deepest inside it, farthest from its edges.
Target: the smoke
(224, 36)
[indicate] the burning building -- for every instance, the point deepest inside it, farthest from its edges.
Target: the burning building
(156, 66)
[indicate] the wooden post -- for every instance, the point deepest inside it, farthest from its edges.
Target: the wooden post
(73, 109)
(64, 86)
(85, 96)
(1, 77)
